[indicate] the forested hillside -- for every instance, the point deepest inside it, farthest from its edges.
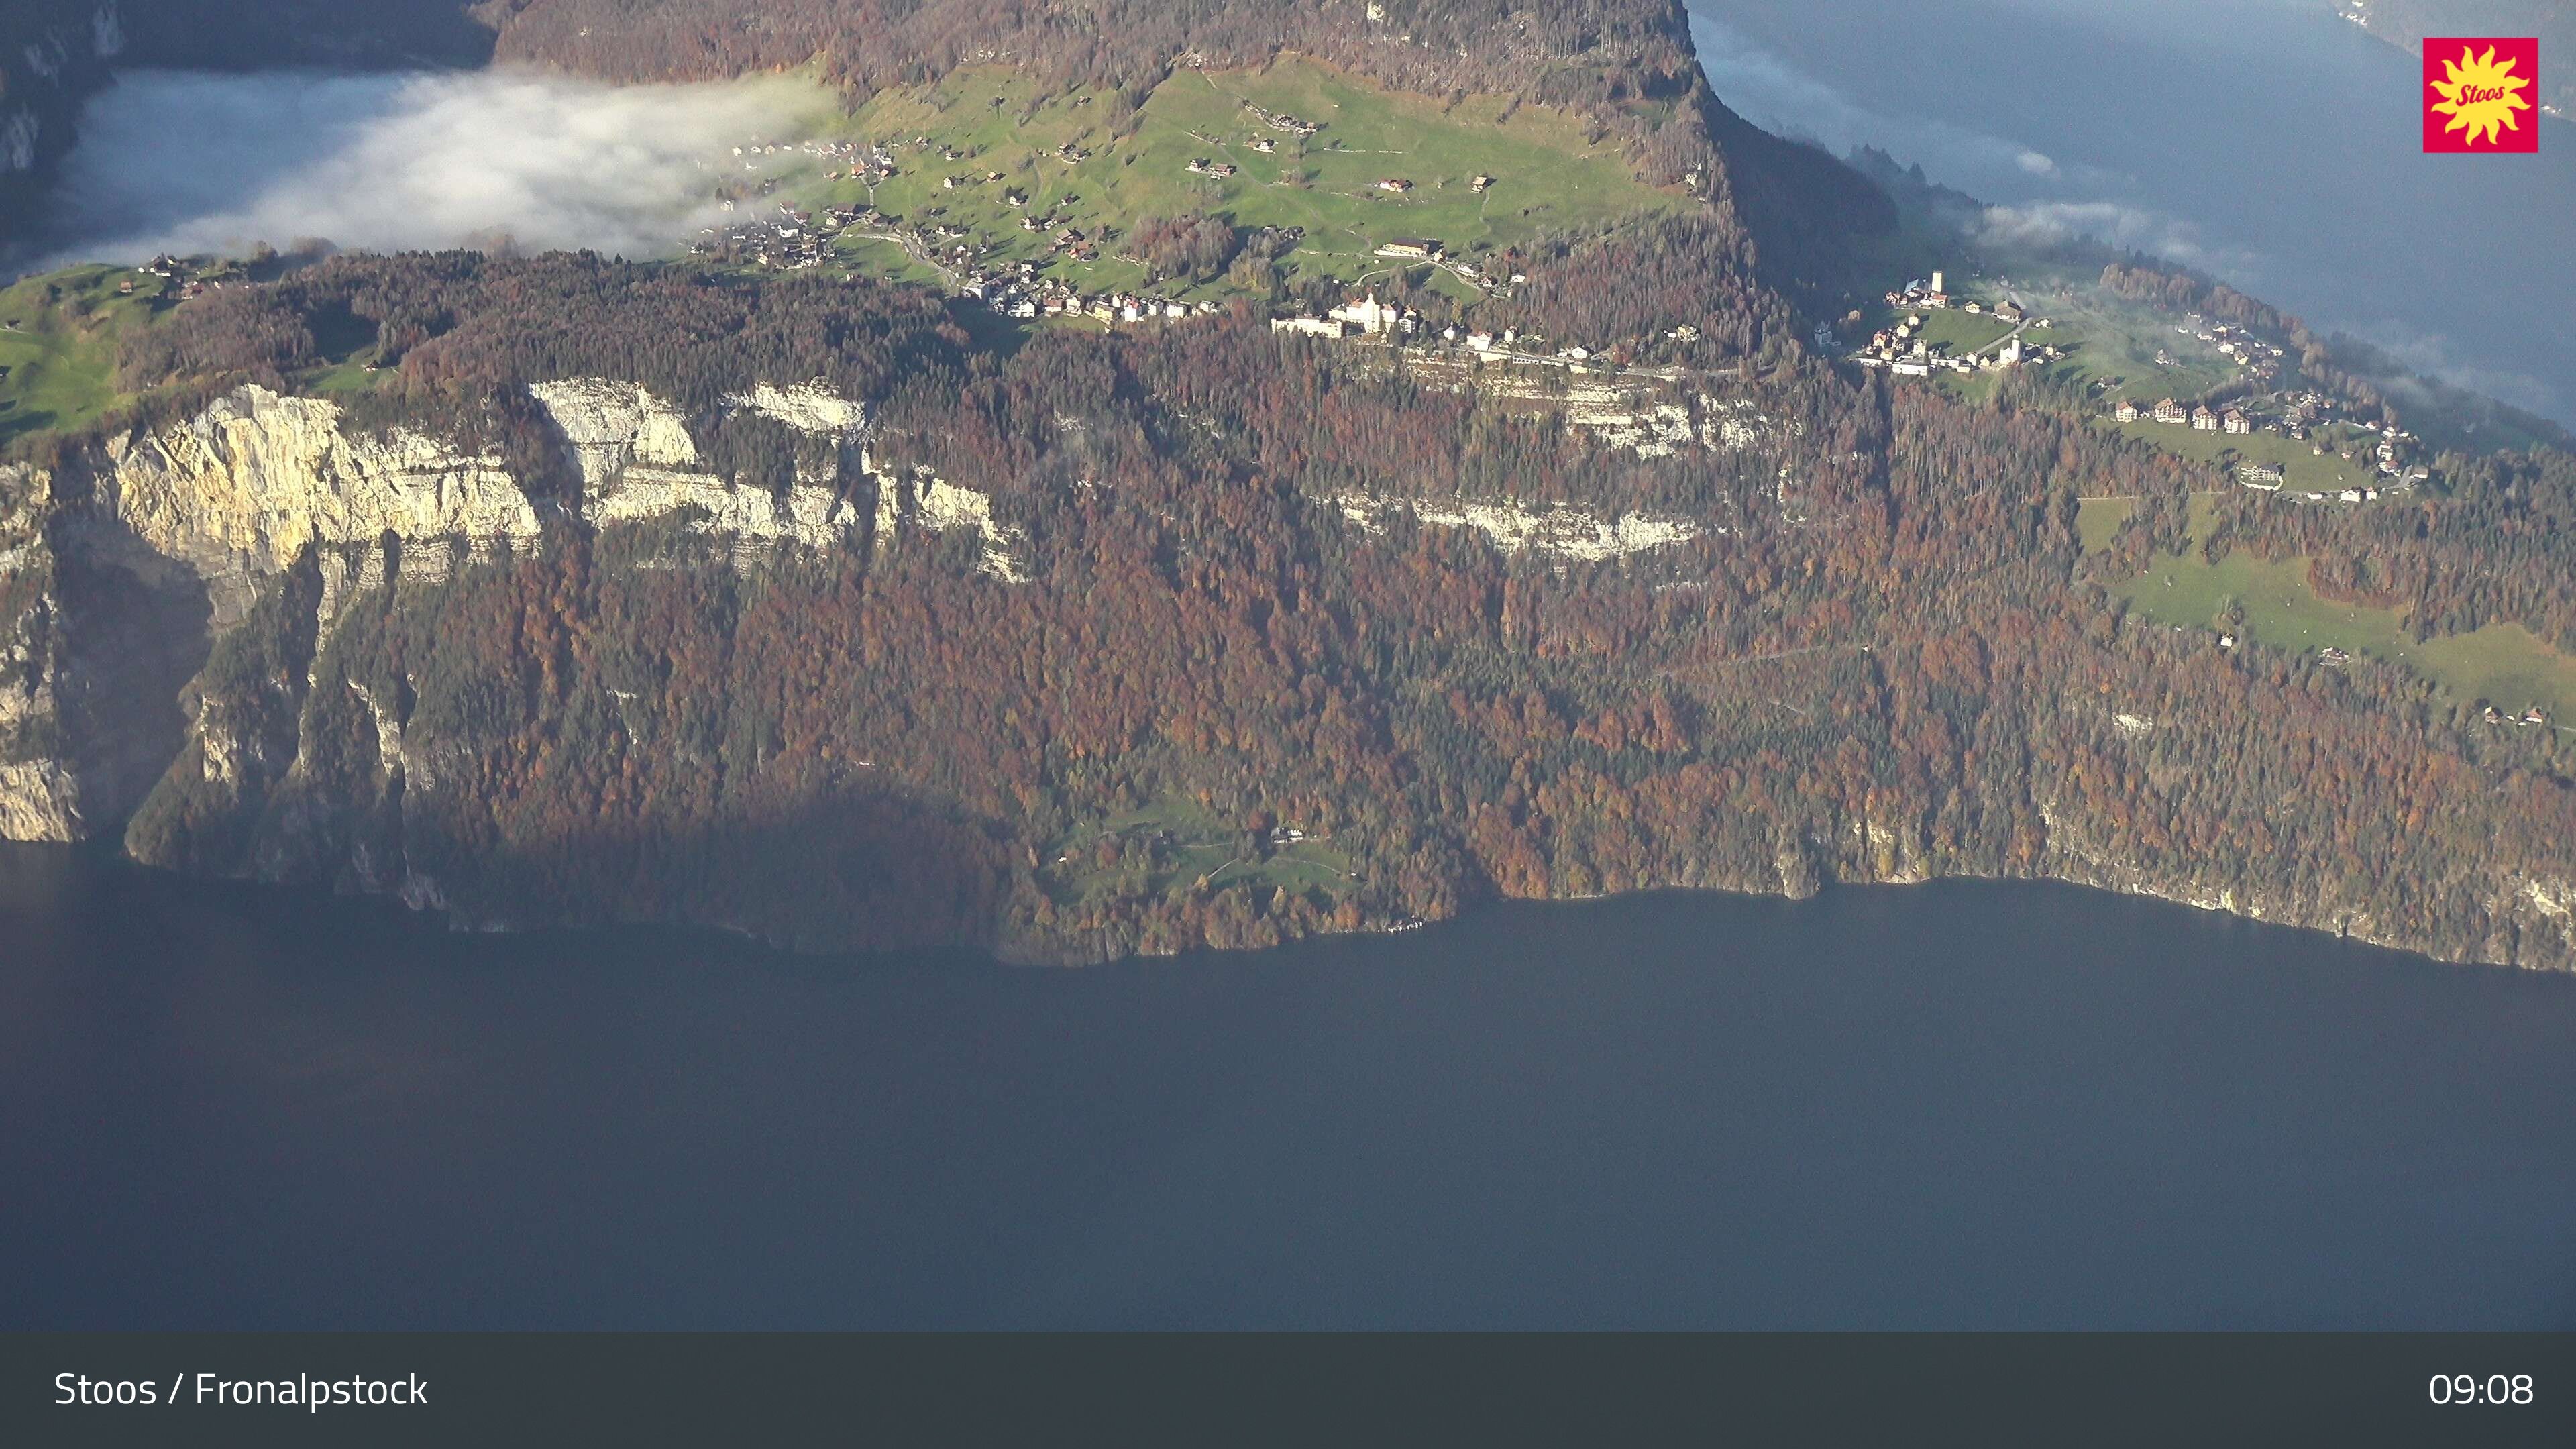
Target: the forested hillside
(1206, 700)
(843, 611)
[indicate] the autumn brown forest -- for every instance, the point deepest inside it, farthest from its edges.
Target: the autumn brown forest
(1138, 639)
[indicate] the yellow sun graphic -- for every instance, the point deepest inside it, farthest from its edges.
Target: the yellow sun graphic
(2479, 96)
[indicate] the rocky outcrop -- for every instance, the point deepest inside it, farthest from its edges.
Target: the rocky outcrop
(242, 489)
(39, 797)
(1558, 530)
(97, 636)
(110, 602)
(639, 462)
(927, 502)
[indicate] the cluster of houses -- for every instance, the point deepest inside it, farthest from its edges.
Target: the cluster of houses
(2203, 418)
(192, 281)
(1368, 317)
(858, 160)
(1920, 293)
(1029, 297)
(1360, 317)
(2535, 715)
(1904, 351)
(2299, 413)
(1279, 121)
(791, 240)
(2238, 345)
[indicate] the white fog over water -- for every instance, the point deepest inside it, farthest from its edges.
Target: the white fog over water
(184, 161)
(2263, 141)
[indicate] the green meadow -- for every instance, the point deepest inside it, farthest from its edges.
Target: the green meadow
(58, 337)
(1170, 846)
(2303, 470)
(2503, 664)
(1549, 173)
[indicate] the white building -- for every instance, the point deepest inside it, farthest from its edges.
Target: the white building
(1369, 315)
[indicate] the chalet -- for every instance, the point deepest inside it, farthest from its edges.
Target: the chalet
(2126, 412)
(1481, 185)
(1264, 145)
(1395, 184)
(2234, 421)
(1972, 308)
(2170, 411)
(2203, 420)
(2008, 311)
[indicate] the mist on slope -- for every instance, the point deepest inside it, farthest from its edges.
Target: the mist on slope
(188, 162)
(2262, 141)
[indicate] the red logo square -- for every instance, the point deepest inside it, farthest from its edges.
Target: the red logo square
(2481, 93)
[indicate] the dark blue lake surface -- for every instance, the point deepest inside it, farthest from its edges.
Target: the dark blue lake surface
(1976, 1105)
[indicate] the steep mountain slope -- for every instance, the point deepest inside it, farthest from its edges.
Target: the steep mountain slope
(787, 605)
(840, 611)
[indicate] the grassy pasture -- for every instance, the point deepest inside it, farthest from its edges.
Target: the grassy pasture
(2504, 664)
(2303, 471)
(1170, 845)
(58, 337)
(1550, 174)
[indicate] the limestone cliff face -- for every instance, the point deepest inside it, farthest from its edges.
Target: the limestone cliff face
(109, 603)
(186, 653)
(97, 635)
(638, 462)
(1559, 530)
(239, 491)
(39, 798)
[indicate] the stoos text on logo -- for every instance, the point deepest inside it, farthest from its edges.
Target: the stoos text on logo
(2478, 94)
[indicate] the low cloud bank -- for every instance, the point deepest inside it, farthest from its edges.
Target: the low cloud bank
(184, 162)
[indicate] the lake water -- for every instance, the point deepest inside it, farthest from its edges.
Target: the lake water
(2264, 141)
(1959, 1105)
